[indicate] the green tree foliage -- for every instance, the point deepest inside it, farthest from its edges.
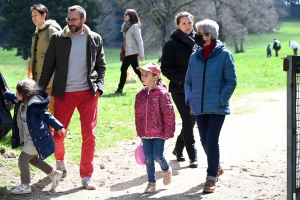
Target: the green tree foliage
(17, 19)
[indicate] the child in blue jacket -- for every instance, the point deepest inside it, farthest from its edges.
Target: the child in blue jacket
(31, 123)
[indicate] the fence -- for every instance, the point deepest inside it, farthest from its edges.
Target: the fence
(292, 66)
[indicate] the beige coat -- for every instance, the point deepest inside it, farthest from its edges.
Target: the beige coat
(39, 46)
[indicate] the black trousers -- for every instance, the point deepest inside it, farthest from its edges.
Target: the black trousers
(128, 60)
(295, 51)
(186, 137)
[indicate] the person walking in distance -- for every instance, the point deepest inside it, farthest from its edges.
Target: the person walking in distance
(295, 46)
(155, 122)
(133, 47)
(174, 63)
(76, 56)
(269, 51)
(276, 46)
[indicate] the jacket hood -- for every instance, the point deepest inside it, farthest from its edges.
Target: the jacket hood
(67, 32)
(49, 22)
(218, 48)
(42, 99)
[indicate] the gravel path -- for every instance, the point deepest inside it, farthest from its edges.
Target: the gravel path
(253, 156)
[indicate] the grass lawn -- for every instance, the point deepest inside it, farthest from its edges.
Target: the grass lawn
(255, 72)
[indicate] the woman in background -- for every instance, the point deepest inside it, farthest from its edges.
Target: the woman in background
(174, 64)
(133, 46)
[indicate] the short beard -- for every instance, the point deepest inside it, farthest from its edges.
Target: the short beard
(77, 28)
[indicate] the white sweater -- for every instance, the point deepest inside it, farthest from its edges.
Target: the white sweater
(134, 41)
(294, 45)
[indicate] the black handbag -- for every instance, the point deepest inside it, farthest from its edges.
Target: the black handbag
(5, 107)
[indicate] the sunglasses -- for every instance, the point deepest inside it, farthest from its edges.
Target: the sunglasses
(202, 34)
(125, 14)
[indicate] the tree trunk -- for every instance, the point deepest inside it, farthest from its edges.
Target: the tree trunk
(236, 46)
(168, 26)
(242, 45)
(218, 4)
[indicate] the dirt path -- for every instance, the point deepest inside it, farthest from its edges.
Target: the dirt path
(253, 156)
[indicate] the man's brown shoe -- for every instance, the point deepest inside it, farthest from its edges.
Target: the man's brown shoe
(209, 186)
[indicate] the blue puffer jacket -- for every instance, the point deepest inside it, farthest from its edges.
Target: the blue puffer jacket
(38, 120)
(209, 85)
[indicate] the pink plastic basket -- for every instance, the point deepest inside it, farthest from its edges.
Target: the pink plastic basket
(139, 155)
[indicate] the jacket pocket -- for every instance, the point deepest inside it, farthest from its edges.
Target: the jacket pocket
(44, 139)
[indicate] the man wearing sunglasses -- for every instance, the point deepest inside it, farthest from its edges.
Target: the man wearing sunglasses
(77, 57)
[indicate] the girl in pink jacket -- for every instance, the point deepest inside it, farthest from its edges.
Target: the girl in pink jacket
(155, 122)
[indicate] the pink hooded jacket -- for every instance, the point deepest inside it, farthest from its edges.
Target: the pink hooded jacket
(154, 113)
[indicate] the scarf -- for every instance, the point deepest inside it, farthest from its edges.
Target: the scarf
(125, 26)
(187, 39)
(206, 50)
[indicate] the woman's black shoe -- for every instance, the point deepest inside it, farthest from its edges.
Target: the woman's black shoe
(180, 158)
(118, 91)
(193, 164)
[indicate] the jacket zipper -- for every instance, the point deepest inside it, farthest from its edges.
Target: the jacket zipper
(147, 114)
(203, 86)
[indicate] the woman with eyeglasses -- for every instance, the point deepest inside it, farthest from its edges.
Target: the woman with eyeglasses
(44, 29)
(133, 47)
(209, 83)
(174, 63)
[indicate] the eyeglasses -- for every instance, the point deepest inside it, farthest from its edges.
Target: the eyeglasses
(71, 20)
(202, 34)
(125, 14)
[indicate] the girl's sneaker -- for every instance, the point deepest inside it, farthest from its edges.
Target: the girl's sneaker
(150, 188)
(21, 189)
(56, 179)
(167, 176)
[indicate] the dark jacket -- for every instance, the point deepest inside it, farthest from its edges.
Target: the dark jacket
(276, 45)
(38, 120)
(175, 59)
(154, 113)
(57, 59)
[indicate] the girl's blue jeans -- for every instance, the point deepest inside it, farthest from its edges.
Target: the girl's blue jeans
(154, 151)
(209, 126)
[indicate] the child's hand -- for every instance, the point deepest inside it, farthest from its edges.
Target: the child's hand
(6, 90)
(62, 131)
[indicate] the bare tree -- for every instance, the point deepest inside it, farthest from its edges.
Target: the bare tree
(235, 18)
(242, 17)
(161, 13)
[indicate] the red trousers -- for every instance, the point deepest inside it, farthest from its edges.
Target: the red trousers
(51, 105)
(87, 106)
